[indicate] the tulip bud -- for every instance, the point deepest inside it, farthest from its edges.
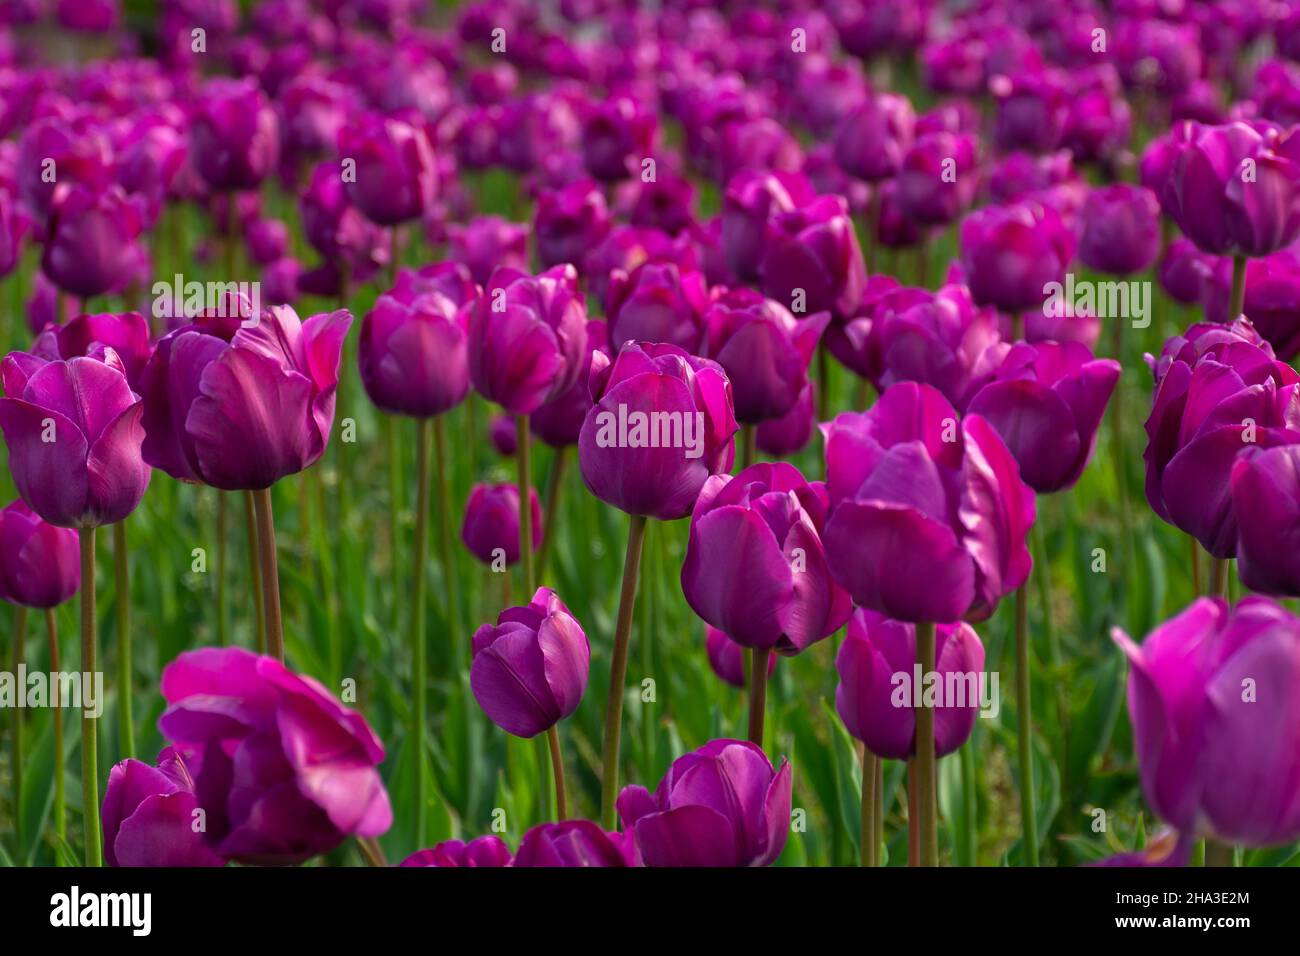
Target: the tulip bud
(234, 137)
(39, 563)
(148, 815)
(396, 177)
(491, 526)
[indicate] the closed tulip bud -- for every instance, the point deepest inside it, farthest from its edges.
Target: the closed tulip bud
(763, 349)
(74, 434)
(1032, 110)
(873, 138)
(1121, 229)
(39, 562)
(267, 239)
(482, 851)
(755, 566)
(486, 242)
(527, 337)
(90, 244)
(569, 222)
(414, 350)
(615, 137)
(721, 805)
(938, 177)
(929, 516)
(788, 434)
(1011, 252)
(751, 199)
(1211, 696)
(234, 135)
(210, 384)
(491, 526)
(727, 658)
(646, 387)
(530, 669)
(1219, 391)
(570, 843)
(559, 421)
(878, 708)
(1046, 401)
(396, 176)
(814, 248)
(148, 815)
(503, 434)
(657, 301)
(285, 770)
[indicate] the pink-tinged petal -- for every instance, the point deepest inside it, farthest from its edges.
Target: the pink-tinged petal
(17, 369)
(509, 682)
(51, 476)
(88, 393)
(566, 660)
(161, 833)
(129, 784)
(633, 803)
(116, 474)
(997, 510)
(323, 335)
(959, 652)
(1036, 426)
(250, 425)
(776, 813)
(277, 335)
(820, 606)
(686, 836)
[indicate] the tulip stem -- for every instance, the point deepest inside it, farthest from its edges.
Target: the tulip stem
(423, 434)
(557, 766)
(89, 728)
(16, 775)
(1028, 817)
(549, 520)
(746, 446)
(122, 584)
(255, 569)
(913, 823)
(618, 670)
(525, 506)
(371, 851)
(758, 658)
(270, 574)
(870, 848)
(1196, 565)
(926, 777)
(60, 801)
(823, 381)
(1238, 303)
(221, 568)
(1219, 577)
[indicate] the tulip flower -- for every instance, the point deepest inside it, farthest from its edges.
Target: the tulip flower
(1032, 110)
(234, 136)
(1046, 402)
(1203, 686)
(789, 433)
(1011, 252)
(570, 843)
(148, 815)
(1264, 501)
(396, 178)
(491, 527)
(657, 301)
(481, 851)
(570, 221)
(126, 333)
(814, 250)
(1183, 271)
(721, 805)
(752, 198)
(756, 569)
(938, 178)
(1270, 298)
(616, 136)
(285, 770)
(1121, 229)
(486, 242)
(530, 671)
(873, 138)
(90, 244)
(728, 659)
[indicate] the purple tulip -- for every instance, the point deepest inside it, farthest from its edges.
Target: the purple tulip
(788, 434)
(559, 421)
(284, 771)
(626, 247)
(1046, 401)
(686, 400)
(1032, 110)
(148, 815)
(39, 562)
(755, 566)
(929, 515)
(760, 143)
(74, 434)
(396, 177)
(530, 668)
(938, 177)
(1212, 696)
(267, 239)
(751, 199)
(491, 527)
(1183, 271)
(14, 224)
(76, 153)
(665, 203)
(814, 248)
(1121, 229)
(721, 805)
(336, 228)
(1099, 120)
(413, 353)
(879, 708)
(658, 301)
(312, 110)
(527, 337)
(873, 138)
(763, 349)
(91, 237)
(616, 136)
(1011, 252)
(1271, 296)
(504, 435)
(482, 851)
(486, 242)
(1219, 390)
(727, 658)
(126, 333)
(234, 135)
(569, 222)
(1158, 55)
(570, 843)
(210, 387)
(1266, 502)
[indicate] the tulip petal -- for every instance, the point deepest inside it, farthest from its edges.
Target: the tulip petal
(686, 836)
(51, 476)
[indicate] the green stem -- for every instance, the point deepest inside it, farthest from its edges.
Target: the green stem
(255, 569)
(424, 429)
(557, 769)
(89, 728)
(618, 671)
(758, 692)
(221, 568)
(746, 446)
(16, 775)
(60, 800)
(270, 574)
(926, 776)
(1238, 302)
(1028, 817)
(522, 441)
(823, 381)
(122, 602)
(1218, 854)
(969, 805)
(870, 848)
(1218, 577)
(550, 514)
